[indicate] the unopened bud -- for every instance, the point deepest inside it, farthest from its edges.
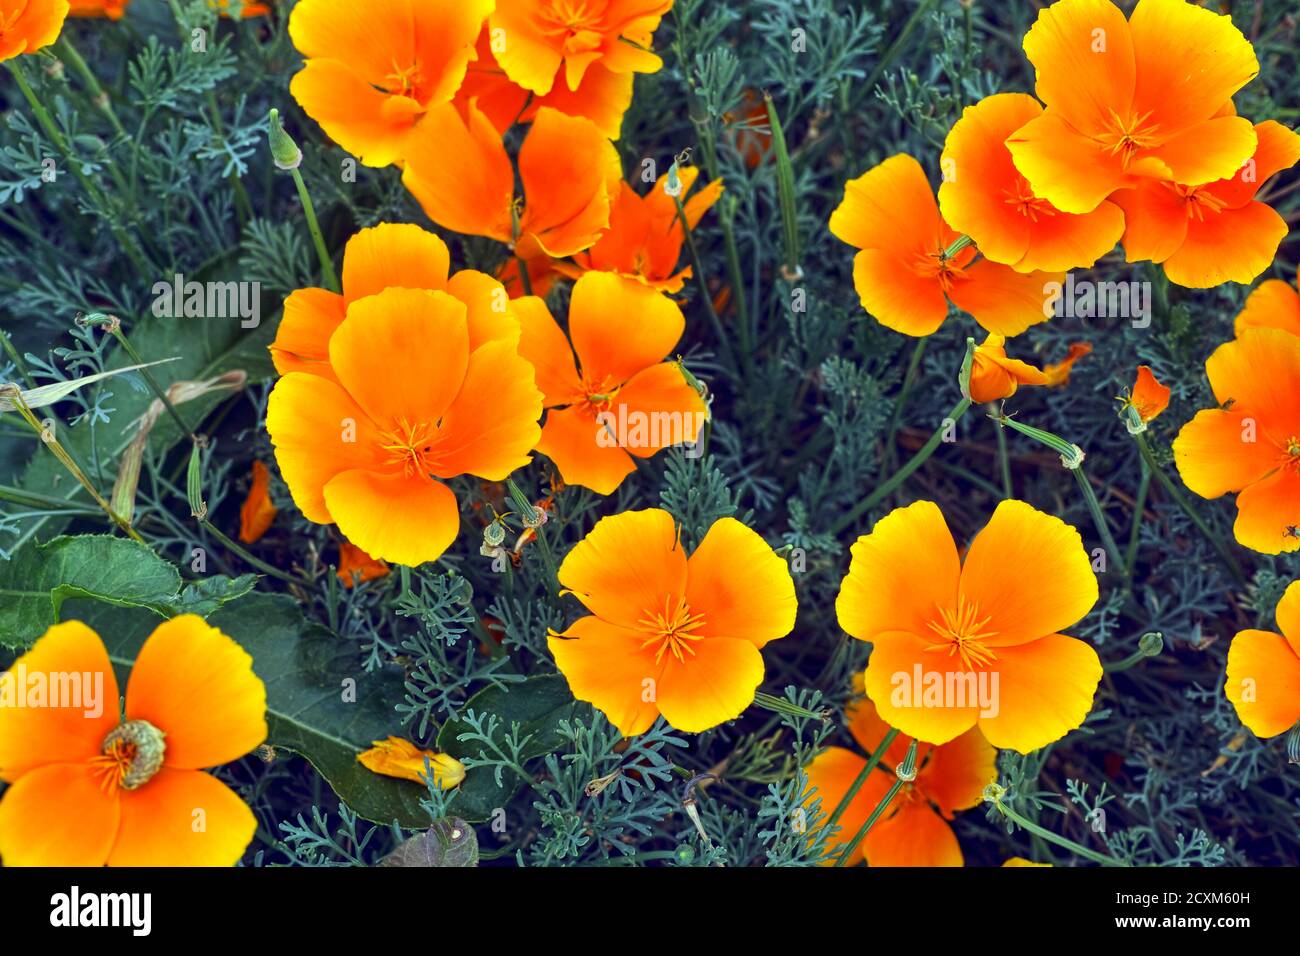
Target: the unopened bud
(284, 150)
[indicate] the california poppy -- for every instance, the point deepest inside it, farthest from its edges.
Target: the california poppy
(1213, 233)
(903, 274)
(994, 376)
(620, 399)
(1128, 99)
(644, 238)
(396, 757)
(602, 96)
(372, 71)
(1272, 305)
(355, 565)
(1263, 680)
(413, 402)
(1149, 398)
(956, 644)
(257, 511)
(1250, 444)
(553, 42)
(914, 830)
(984, 196)
(385, 256)
(668, 634)
(459, 171)
(29, 25)
(89, 787)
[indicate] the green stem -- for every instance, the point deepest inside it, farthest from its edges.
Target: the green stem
(1065, 844)
(97, 94)
(1004, 464)
(1116, 556)
(1150, 644)
(114, 326)
(905, 773)
(724, 344)
(1135, 534)
(780, 705)
(872, 762)
(326, 263)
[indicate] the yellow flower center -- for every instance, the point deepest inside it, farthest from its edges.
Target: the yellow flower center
(1023, 200)
(1127, 136)
(1293, 452)
(574, 17)
(671, 628)
(405, 80)
(409, 445)
(132, 753)
(962, 633)
(936, 265)
(1197, 201)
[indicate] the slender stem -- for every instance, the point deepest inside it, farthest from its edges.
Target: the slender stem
(900, 476)
(1115, 555)
(737, 284)
(525, 280)
(1076, 848)
(1149, 645)
(1004, 464)
(872, 762)
(724, 344)
(905, 773)
(114, 326)
(97, 94)
(239, 550)
(326, 263)
(1135, 534)
(780, 705)
(909, 379)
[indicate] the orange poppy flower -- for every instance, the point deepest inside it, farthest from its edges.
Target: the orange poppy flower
(356, 566)
(994, 376)
(539, 37)
(602, 97)
(914, 830)
(644, 239)
(902, 274)
(1021, 861)
(1273, 305)
(1149, 398)
(1128, 99)
(257, 511)
(984, 196)
(1058, 373)
(1263, 679)
(956, 644)
(385, 256)
(372, 71)
(395, 757)
(620, 399)
(1213, 233)
(28, 25)
(1250, 444)
(414, 402)
(113, 9)
(459, 171)
(88, 788)
(668, 634)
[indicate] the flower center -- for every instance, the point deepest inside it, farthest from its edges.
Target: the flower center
(596, 395)
(410, 446)
(1293, 453)
(671, 628)
(962, 633)
(132, 753)
(405, 80)
(1197, 200)
(936, 265)
(574, 17)
(1023, 200)
(1127, 136)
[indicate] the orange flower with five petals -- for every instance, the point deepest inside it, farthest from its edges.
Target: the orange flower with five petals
(89, 787)
(413, 402)
(957, 643)
(1131, 99)
(1263, 681)
(620, 399)
(903, 273)
(667, 634)
(373, 70)
(914, 831)
(1250, 444)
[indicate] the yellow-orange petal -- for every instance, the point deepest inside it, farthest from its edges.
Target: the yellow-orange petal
(393, 254)
(1263, 682)
(197, 686)
(901, 667)
(182, 818)
(994, 376)
(1288, 616)
(356, 566)
(30, 26)
(318, 432)
(571, 439)
(890, 207)
(363, 120)
(491, 425)
(57, 815)
(489, 312)
(32, 736)
(607, 666)
(1058, 373)
(657, 409)
(397, 757)
(740, 586)
(257, 512)
(619, 327)
(302, 339)
(1259, 374)
(1071, 171)
(1214, 453)
(545, 347)
(394, 517)
(402, 355)
(900, 573)
(955, 775)
(1003, 300)
(714, 683)
(1234, 245)
(1021, 861)
(627, 566)
(1149, 398)
(914, 835)
(896, 296)
(1155, 220)
(1268, 513)
(830, 775)
(1045, 690)
(1028, 573)
(1273, 305)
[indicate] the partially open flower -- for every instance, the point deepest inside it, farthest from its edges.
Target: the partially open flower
(994, 376)
(1263, 679)
(88, 788)
(1149, 398)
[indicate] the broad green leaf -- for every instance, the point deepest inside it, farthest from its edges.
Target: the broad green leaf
(536, 705)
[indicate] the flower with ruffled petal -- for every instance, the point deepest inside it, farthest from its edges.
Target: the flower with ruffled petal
(914, 830)
(1149, 398)
(1131, 99)
(620, 399)
(373, 70)
(1250, 444)
(29, 25)
(957, 643)
(903, 274)
(89, 787)
(984, 196)
(668, 634)
(414, 401)
(1216, 232)
(1263, 681)
(994, 376)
